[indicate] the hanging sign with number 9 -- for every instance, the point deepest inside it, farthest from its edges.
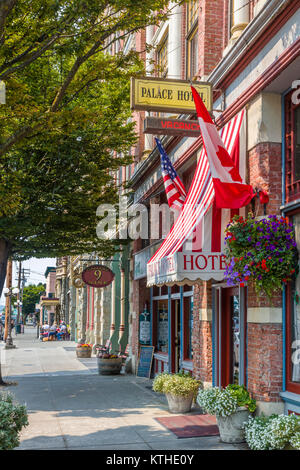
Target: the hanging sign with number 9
(97, 276)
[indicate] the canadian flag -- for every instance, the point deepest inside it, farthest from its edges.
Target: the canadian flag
(230, 190)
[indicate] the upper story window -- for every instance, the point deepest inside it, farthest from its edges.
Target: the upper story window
(192, 13)
(162, 58)
(192, 38)
(292, 148)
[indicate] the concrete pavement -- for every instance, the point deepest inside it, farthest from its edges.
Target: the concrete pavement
(71, 407)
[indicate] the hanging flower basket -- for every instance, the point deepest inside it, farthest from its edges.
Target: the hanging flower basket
(262, 251)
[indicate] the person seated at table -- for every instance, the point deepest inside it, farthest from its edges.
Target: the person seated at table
(52, 331)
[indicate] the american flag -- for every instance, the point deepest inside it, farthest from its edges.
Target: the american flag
(173, 185)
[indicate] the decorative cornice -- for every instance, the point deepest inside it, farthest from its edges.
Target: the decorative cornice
(250, 36)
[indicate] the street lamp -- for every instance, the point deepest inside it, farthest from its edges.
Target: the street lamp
(8, 292)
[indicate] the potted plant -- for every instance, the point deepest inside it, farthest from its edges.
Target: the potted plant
(180, 390)
(13, 417)
(232, 406)
(108, 363)
(275, 432)
(84, 350)
(262, 251)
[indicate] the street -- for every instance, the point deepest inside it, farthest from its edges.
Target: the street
(71, 407)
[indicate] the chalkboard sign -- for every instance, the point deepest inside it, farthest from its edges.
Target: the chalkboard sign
(145, 361)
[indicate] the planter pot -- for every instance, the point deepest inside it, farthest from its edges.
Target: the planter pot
(83, 352)
(109, 366)
(179, 404)
(231, 427)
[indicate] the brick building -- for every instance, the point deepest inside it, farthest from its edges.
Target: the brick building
(249, 52)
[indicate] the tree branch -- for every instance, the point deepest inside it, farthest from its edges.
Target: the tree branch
(5, 8)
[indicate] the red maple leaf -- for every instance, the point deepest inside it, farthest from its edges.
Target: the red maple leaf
(226, 161)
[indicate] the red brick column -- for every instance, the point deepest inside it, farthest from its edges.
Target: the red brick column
(264, 326)
(264, 347)
(265, 173)
(202, 332)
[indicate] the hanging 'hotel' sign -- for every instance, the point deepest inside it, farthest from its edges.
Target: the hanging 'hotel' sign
(157, 94)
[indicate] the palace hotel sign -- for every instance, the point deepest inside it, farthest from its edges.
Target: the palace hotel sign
(169, 96)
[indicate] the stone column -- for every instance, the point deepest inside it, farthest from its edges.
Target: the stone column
(175, 43)
(122, 316)
(82, 314)
(113, 310)
(264, 320)
(72, 315)
(240, 17)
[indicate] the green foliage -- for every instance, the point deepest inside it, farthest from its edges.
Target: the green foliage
(180, 384)
(262, 251)
(31, 296)
(66, 127)
(242, 396)
(226, 401)
(13, 417)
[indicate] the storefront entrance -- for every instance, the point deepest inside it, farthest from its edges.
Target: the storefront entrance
(230, 336)
(172, 322)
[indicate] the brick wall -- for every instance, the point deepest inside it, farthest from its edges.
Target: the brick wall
(265, 339)
(265, 173)
(202, 333)
(210, 28)
(140, 295)
(265, 361)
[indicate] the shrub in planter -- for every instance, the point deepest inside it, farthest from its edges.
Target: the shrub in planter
(180, 389)
(13, 417)
(84, 350)
(232, 406)
(108, 363)
(262, 251)
(273, 432)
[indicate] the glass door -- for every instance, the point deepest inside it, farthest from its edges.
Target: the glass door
(231, 337)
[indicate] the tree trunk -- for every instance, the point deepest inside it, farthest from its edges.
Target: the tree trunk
(4, 254)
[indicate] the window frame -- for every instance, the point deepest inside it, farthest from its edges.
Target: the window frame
(163, 45)
(292, 186)
(290, 386)
(191, 32)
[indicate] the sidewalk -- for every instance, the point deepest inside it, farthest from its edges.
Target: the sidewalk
(71, 407)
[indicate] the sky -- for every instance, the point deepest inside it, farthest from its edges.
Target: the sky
(37, 270)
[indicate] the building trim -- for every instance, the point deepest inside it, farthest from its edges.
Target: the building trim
(252, 41)
(262, 82)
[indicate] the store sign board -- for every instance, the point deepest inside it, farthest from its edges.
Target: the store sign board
(166, 126)
(97, 276)
(145, 361)
(157, 94)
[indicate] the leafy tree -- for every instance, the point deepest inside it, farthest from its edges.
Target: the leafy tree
(66, 119)
(31, 296)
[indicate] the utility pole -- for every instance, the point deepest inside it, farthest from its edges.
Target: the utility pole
(18, 296)
(23, 274)
(8, 298)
